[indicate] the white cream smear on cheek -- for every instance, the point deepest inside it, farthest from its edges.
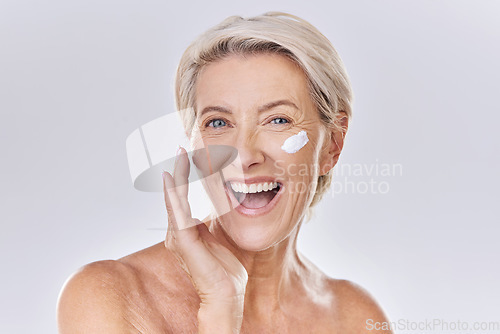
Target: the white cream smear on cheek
(295, 142)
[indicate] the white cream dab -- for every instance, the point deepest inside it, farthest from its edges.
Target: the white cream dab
(295, 142)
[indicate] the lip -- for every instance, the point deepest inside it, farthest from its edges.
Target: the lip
(253, 212)
(256, 179)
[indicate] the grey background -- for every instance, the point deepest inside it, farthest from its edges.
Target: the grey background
(77, 77)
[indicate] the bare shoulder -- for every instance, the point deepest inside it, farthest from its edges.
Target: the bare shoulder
(349, 307)
(356, 308)
(92, 299)
(144, 292)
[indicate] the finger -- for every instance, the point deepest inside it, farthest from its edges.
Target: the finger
(168, 205)
(205, 234)
(181, 221)
(194, 252)
(198, 254)
(172, 227)
(187, 243)
(181, 175)
(172, 223)
(194, 257)
(174, 209)
(220, 252)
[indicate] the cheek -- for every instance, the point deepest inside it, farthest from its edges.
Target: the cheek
(295, 158)
(295, 142)
(200, 140)
(301, 151)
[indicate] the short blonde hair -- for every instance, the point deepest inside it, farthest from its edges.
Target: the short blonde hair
(279, 33)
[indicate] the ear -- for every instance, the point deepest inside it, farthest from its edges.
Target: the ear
(333, 144)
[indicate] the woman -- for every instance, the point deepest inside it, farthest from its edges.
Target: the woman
(274, 88)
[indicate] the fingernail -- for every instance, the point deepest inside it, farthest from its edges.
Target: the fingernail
(177, 153)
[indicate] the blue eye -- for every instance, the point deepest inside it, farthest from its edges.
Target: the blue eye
(216, 123)
(283, 120)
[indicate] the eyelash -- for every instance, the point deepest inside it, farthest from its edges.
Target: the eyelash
(207, 124)
(286, 119)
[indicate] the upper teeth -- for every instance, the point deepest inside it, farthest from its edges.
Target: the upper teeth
(253, 188)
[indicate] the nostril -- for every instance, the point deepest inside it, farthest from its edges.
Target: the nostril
(249, 155)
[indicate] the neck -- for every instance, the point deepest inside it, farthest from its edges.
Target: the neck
(272, 273)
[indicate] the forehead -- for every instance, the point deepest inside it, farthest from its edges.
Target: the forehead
(246, 81)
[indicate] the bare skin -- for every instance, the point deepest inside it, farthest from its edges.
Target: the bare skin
(232, 274)
(148, 292)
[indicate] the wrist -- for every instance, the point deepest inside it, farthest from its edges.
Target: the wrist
(221, 316)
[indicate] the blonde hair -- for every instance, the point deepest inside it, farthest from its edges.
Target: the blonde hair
(278, 33)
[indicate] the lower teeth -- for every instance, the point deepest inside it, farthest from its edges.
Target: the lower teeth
(256, 200)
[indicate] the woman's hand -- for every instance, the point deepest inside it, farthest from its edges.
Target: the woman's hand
(217, 275)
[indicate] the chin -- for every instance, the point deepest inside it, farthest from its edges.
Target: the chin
(255, 235)
(251, 241)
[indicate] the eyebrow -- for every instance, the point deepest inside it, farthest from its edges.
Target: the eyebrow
(263, 108)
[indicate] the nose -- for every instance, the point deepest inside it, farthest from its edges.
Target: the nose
(250, 149)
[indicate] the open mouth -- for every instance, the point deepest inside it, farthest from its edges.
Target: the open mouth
(254, 196)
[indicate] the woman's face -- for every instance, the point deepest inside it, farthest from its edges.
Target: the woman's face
(254, 104)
